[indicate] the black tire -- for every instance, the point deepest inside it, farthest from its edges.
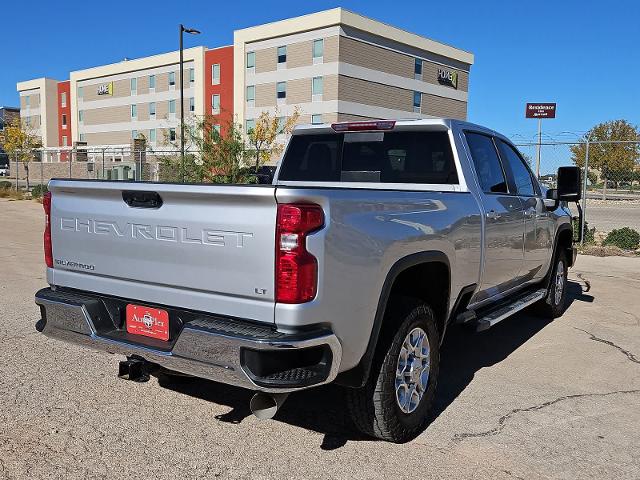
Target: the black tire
(552, 305)
(374, 408)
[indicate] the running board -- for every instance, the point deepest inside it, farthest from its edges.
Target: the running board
(490, 318)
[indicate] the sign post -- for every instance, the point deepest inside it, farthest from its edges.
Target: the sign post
(540, 111)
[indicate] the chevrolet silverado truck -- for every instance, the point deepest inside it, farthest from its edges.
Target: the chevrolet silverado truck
(371, 240)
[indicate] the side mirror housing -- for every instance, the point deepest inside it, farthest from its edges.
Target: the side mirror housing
(551, 199)
(569, 184)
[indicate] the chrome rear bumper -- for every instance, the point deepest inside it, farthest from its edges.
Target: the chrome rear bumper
(206, 346)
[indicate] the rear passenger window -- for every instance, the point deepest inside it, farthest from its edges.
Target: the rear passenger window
(487, 163)
(521, 174)
(372, 156)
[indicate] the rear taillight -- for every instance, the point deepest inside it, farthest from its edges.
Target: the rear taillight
(296, 269)
(48, 251)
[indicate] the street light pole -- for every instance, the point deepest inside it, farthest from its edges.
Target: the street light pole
(181, 105)
(192, 31)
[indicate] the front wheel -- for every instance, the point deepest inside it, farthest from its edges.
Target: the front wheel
(554, 303)
(395, 402)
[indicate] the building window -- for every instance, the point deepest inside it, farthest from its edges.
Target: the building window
(282, 54)
(316, 119)
(27, 121)
(172, 79)
(216, 128)
(82, 137)
(281, 122)
(250, 125)
(418, 67)
(172, 106)
(152, 109)
(80, 116)
(64, 120)
(152, 135)
(251, 93)
(417, 101)
(63, 99)
(152, 82)
(251, 60)
(134, 134)
(215, 103)
(134, 86)
(215, 74)
(65, 141)
(27, 101)
(192, 104)
(316, 86)
(318, 48)
(192, 75)
(80, 92)
(172, 134)
(134, 111)
(281, 90)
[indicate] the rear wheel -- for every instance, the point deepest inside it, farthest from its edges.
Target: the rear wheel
(554, 303)
(395, 402)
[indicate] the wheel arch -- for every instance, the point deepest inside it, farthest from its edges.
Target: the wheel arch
(399, 279)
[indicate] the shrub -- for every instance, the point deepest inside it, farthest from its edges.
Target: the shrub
(5, 185)
(38, 191)
(589, 233)
(625, 238)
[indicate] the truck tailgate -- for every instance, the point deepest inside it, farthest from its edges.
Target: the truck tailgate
(206, 247)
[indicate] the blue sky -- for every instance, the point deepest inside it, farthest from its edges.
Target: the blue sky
(581, 54)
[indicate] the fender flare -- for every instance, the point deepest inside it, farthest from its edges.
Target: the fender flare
(562, 228)
(357, 376)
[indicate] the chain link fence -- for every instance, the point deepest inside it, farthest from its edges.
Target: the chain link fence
(611, 176)
(611, 172)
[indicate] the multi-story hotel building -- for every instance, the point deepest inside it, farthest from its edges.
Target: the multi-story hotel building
(338, 66)
(331, 66)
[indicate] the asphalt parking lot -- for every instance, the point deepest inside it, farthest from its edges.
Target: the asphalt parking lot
(527, 399)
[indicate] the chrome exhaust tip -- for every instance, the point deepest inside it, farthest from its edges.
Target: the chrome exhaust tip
(266, 405)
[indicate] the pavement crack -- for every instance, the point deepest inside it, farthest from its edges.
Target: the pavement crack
(502, 421)
(628, 354)
(587, 283)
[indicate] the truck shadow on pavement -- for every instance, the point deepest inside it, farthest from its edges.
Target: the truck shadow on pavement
(323, 409)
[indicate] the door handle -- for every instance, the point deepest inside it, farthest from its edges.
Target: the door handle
(493, 215)
(141, 199)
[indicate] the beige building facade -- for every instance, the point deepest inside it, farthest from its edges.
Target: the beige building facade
(331, 66)
(116, 103)
(38, 108)
(340, 66)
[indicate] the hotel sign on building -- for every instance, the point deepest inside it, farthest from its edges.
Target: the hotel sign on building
(106, 89)
(448, 77)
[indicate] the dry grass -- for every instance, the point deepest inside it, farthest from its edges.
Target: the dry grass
(11, 194)
(606, 251)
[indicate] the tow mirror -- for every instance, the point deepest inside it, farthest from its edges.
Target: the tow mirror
(569, 188)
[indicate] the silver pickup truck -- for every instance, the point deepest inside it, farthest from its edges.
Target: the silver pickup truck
(371, 240)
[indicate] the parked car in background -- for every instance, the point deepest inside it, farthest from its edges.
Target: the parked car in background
(373, 238)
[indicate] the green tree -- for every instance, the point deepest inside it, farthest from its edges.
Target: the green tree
(263, 137)
(210, 157)
(613, 161)
(20, 141)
